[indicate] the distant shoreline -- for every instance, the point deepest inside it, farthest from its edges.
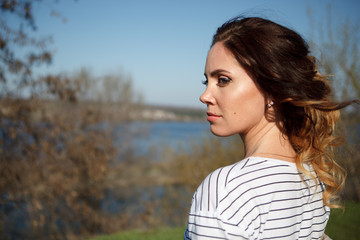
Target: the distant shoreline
(117, 112)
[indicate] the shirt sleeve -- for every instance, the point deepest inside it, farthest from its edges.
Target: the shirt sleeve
(209, 225)
(204, 225)
(205, 221)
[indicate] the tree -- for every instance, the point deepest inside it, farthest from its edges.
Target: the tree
(54, 152)
(15, 65)
(338, 39)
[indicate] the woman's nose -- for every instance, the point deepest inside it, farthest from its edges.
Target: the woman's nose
(207, 98)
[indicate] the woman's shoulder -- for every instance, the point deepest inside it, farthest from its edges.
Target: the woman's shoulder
(241, 174)
(252, 167)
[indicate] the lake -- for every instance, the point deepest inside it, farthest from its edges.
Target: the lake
(143, 137)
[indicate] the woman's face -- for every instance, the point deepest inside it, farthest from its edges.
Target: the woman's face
(234, 103)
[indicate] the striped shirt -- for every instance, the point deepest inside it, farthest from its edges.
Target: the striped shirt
(257, 198)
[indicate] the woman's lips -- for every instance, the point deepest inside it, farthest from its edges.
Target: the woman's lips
(211, 117)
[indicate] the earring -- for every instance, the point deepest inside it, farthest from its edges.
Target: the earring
(270, 104)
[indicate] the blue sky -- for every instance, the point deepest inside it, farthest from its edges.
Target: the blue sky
(161, 44)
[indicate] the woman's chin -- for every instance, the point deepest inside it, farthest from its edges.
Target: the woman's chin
(220, 132)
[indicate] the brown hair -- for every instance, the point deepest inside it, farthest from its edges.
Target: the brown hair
(277, 59)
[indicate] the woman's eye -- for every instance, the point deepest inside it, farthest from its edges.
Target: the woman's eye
(222, 81)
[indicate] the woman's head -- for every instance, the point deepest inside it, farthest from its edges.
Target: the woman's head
(277, 59)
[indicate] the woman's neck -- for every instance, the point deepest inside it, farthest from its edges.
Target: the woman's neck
(269, 142)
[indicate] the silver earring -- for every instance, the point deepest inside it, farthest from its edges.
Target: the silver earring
(270, 104)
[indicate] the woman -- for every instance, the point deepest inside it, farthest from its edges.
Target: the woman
(262, 84)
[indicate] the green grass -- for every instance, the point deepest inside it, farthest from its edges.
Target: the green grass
(345, 226)
(154, 234)
(341, 226)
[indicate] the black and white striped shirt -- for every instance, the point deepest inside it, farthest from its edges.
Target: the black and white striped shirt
(257, 198)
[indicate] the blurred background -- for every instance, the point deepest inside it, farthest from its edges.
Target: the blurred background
(101, 129)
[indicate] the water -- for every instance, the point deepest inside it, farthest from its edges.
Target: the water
(143, 137)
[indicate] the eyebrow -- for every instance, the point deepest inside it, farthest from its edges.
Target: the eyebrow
(216, 72)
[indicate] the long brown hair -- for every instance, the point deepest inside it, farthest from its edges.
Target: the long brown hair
(277, 58)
